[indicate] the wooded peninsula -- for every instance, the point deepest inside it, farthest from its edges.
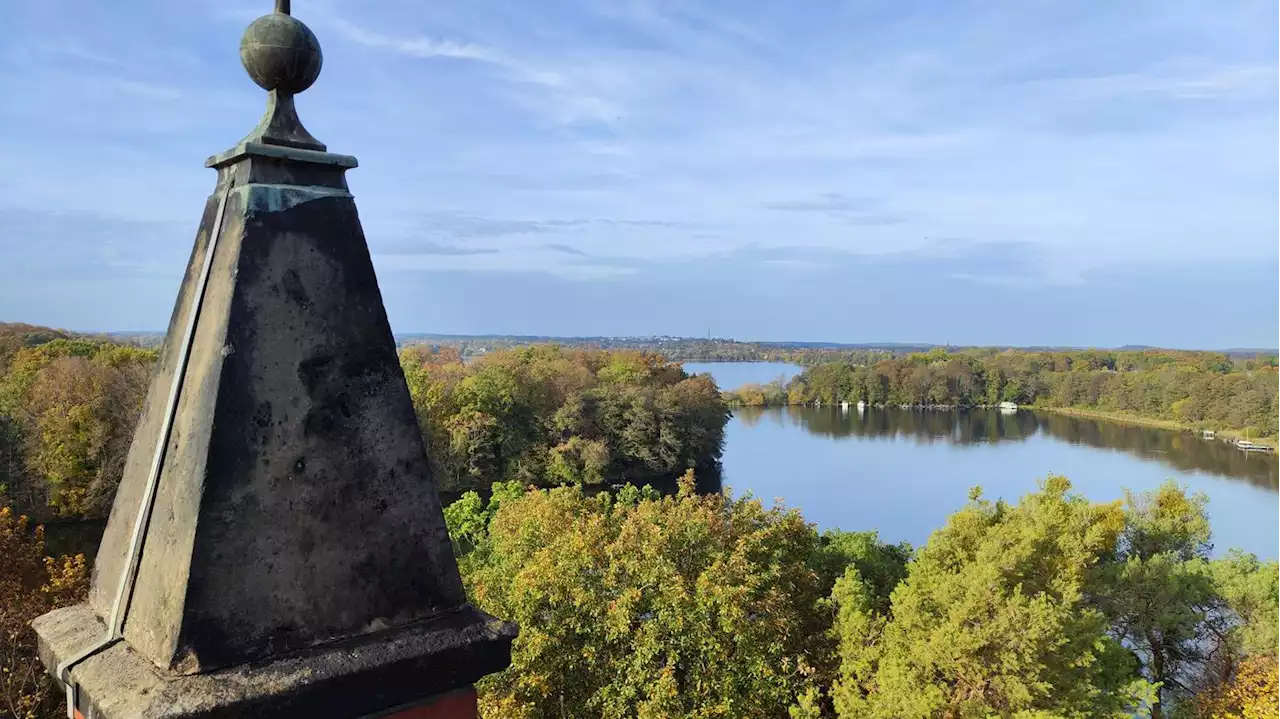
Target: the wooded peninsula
(540, 415)
(1193, 390)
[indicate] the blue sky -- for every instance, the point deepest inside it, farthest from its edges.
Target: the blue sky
(968, 172)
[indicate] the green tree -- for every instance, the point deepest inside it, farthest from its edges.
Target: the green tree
(992, 619)
(1251, 591)
(579, 461)
(691, 606)
(880, 567)
(547, 415)
(1159, 593)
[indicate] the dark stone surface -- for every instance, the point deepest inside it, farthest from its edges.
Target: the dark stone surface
(315, 458)
(295, 504)
(295, 513)
(358, 677)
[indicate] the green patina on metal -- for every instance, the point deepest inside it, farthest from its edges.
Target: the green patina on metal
(278, 198)
(283, 57)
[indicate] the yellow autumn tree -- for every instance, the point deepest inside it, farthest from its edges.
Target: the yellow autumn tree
(1251, 693)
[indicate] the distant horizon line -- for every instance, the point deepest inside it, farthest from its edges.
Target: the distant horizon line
(812, 344)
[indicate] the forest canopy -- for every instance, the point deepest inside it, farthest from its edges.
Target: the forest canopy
(542, 415)
(547, 415)
(634, 604)
(68, 407)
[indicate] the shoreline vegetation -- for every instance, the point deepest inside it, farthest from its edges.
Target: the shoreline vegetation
(1190, 391)
(1225, 435)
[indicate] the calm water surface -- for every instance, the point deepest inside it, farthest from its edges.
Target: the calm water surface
(903, 471)
(732, 375)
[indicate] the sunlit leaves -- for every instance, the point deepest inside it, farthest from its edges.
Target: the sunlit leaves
(633, 605)
(1250, 694)
(545, 415)
(68, 410)
(992, 619)
(691, 606)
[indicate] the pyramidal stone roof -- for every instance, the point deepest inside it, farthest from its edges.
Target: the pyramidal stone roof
(277, 542)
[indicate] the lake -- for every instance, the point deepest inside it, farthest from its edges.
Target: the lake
(903, 471)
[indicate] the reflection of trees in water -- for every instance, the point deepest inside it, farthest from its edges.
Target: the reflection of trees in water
(924, 426)
(1181, 450)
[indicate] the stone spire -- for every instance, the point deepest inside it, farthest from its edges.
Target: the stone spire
(277, 544)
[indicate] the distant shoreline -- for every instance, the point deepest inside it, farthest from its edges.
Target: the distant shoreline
(1117, 417)
(1168, 424)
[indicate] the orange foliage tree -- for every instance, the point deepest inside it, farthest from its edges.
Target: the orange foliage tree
(30, 585)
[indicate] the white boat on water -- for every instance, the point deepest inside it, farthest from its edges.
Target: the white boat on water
(1008, 406)
(1248, 446)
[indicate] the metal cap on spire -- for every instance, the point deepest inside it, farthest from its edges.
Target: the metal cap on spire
(283, 57)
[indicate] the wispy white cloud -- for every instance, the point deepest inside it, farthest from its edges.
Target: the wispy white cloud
(1206, 84)
(585, 138)
(574, 100)
(420, 47)
(1018, 281)
(71, 49)
(148, 90)
(795, 265)
(523, 260)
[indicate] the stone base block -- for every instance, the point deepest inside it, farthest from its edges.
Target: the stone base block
(366, 675)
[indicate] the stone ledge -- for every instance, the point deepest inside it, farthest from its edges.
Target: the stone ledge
(249, 148)
(348, 678)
